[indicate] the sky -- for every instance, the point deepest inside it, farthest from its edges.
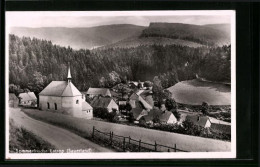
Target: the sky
(90, 19)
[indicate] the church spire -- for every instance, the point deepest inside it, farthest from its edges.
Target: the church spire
(69, 75)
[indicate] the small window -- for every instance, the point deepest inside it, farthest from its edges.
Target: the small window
(55, 105)
(77, 101)
(48, 105)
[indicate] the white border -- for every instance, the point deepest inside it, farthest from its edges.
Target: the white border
(195, 155)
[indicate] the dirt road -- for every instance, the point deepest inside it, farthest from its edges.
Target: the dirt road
(58, 137)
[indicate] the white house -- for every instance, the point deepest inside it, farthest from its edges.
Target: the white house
(63, 97)
(28, 99)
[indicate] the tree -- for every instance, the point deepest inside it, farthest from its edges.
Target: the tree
(139, 85)
(128, 107)
(38, 82)
(204, 108)
(148, 84)
(171, 105)
(131, 117)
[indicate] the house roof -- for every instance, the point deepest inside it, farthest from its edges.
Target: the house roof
(27, 96)
(98, 91)
(86, 106)
(134, 96)
(60, 88)
(152, 114)
(216, 121)
(136, 112)
(145, 104)
(102, 102)
(197, 120)
(165, 116)
(12, 96)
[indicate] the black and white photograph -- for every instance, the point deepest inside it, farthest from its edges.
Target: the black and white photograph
(120, 84)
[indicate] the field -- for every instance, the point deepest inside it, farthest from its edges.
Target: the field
(84, 128)
(194, 92)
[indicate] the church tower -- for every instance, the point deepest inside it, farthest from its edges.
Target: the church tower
(69, 75)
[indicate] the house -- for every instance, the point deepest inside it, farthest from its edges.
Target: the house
(13, 100)
(138, 113)
(87, 110)
(28, 99)
(151, 116)
(143, 97)
(220, 126)
(167, 117)
(63, 97)
(92, 92)
(105, 102)
(202, 121)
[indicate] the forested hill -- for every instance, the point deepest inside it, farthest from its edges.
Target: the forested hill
(206, 35)
(35, 63)
(81, 38)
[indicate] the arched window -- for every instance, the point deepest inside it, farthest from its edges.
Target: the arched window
(77, 101)
(48, 105)
(55, 105)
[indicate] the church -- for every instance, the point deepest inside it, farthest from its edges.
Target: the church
(64, 97)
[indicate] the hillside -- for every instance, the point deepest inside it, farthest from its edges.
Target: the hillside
(35, 63)
(225, 28)
(200, 34)
(81, 38)
(136, 41)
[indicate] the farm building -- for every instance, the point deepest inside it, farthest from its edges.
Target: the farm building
(105, 102)
(92, 92)
(28, 99)
(13, 100)
(202, 121)
(220, 126)
(63, 97)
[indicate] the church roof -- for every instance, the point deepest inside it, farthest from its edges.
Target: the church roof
(60, 88)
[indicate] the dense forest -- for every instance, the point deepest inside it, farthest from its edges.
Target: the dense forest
(34, 63)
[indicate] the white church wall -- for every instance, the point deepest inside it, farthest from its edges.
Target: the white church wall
(71, 107)
(44, 100)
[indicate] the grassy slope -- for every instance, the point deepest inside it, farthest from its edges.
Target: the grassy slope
(84, 127)
(21, 139)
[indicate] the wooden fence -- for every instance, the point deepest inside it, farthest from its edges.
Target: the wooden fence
(129, 144)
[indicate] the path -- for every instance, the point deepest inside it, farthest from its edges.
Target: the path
(60, 138)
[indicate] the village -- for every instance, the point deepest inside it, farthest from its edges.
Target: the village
(130, 103)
